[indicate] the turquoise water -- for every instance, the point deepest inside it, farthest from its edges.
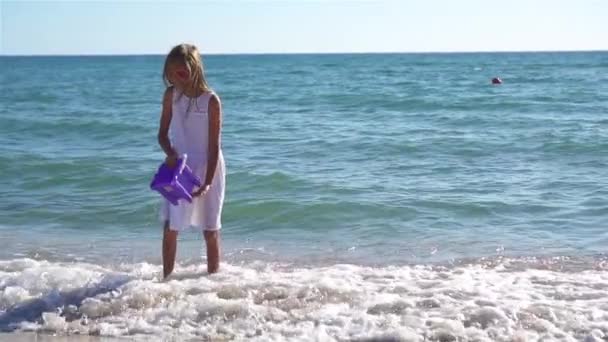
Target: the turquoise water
(371, 160)
(398, 157)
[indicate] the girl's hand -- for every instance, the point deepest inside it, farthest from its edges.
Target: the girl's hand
(171, 160)
(202, 191)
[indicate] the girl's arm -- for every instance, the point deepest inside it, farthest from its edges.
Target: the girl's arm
(165, 122)
(215, 126)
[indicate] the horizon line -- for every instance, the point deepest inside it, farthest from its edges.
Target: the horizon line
(302, 53)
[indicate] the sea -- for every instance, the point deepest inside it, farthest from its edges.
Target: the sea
(369, 197)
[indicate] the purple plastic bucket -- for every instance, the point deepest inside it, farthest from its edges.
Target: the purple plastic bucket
(175, 183)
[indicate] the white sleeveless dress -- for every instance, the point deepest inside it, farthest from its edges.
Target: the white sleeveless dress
(189, 132)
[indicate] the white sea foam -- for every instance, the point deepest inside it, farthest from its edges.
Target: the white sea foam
(508, 300)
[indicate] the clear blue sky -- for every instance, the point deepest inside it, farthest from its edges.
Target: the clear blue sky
(259, 26)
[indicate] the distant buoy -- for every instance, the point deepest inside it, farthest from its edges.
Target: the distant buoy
(496, 80)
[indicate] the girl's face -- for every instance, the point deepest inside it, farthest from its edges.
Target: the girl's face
(178, 75)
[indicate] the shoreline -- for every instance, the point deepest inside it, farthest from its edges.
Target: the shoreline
(22, 336)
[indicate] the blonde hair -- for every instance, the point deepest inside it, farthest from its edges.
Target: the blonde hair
(188, 56)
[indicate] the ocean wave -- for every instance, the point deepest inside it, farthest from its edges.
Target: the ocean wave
(481, 300)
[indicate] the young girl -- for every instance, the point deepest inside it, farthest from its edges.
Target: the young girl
(192, 113)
